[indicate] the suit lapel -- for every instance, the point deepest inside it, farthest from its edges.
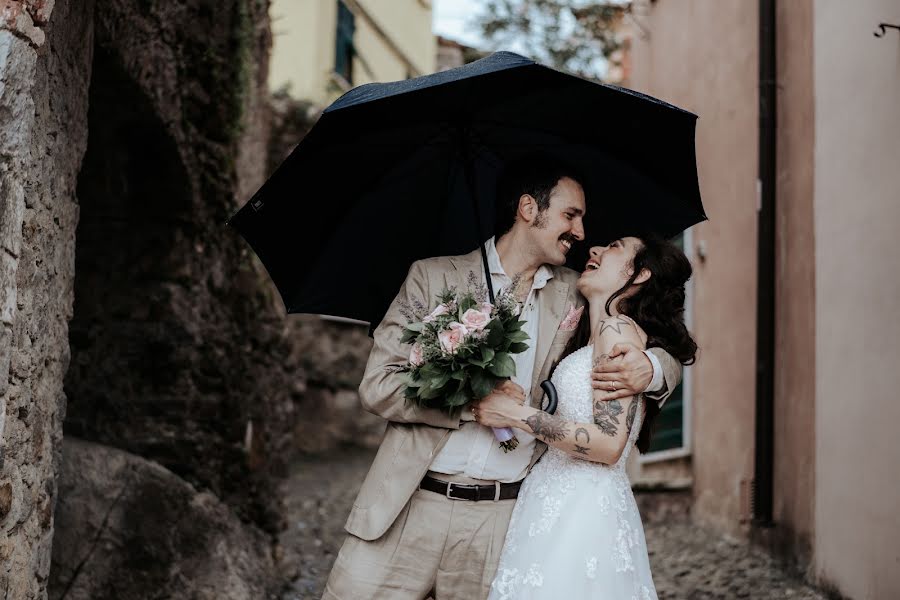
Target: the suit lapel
(553, 303)
(462, 265)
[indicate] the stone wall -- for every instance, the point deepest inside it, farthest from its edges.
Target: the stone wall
(176, 337)
(43, 95)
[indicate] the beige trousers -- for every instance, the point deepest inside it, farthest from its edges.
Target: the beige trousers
(437, 547)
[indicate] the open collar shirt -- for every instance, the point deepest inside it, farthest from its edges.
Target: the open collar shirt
(472, 450)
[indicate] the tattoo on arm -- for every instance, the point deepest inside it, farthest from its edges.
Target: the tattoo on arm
(548, 427)
(632, 412)
(587, 436)
(600, 359)
(581, 450)
(606, 416)
(615, 324)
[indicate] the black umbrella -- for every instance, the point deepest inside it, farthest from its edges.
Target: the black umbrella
(395, 172)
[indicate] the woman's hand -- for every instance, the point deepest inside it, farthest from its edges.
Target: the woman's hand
(500, 407)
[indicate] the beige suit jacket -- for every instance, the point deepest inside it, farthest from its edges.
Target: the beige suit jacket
(415, 435)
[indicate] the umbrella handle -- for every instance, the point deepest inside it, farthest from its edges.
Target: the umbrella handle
(552, 397)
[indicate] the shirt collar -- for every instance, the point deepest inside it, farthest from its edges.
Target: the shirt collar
(541, 276)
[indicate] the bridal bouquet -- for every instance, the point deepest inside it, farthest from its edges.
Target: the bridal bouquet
(462, 348)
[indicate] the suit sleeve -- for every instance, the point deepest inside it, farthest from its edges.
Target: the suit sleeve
(381, 390)
(671, 374)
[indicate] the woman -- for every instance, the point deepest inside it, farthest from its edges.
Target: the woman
(575, 531)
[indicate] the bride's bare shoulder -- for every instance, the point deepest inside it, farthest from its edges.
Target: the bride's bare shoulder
(621, 328)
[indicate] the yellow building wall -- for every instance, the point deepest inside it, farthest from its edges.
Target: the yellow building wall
(304, 38)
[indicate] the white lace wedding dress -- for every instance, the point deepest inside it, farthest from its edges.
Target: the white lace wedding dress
(575, 532)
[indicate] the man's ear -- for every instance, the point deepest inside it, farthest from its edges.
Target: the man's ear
(528, 208)
(643, 276)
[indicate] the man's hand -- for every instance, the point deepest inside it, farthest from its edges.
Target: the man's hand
(626, 372)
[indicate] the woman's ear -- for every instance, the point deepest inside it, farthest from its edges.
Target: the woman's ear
(643, 276)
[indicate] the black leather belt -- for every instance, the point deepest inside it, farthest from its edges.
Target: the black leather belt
(475, 493)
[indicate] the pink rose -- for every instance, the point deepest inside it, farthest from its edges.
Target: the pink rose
(452, 337)
(416, 357)
(442, 309)
(476, 320)
(486, 308)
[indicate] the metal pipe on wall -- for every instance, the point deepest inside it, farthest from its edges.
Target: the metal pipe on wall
(765, 311)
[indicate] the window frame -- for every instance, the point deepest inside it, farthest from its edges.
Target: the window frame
(687, 379)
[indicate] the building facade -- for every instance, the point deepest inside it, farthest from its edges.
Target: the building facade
(834, 474)
(322, 48)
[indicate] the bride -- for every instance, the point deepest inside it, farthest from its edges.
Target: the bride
(575, 531)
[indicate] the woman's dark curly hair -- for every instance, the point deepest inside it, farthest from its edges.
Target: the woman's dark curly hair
(657, 306)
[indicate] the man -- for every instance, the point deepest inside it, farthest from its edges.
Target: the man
(432, 513)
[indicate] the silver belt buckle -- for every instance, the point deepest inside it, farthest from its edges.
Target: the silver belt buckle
(450, 485)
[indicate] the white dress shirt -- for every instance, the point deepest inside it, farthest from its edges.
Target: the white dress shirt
(472, 450)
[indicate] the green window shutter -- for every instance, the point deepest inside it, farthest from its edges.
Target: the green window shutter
(343, 53)
(669, 427)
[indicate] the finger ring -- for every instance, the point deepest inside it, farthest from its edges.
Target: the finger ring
(615, 385)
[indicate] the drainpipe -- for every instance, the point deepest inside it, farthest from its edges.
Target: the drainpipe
(765, 303)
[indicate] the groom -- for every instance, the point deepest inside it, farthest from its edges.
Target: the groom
(432, 513)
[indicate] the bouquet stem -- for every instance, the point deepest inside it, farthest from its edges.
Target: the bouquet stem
(506, 437)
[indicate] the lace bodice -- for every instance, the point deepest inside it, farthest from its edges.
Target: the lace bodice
(576, 401)
(575, 531)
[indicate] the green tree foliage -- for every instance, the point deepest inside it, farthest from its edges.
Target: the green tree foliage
(575, 36)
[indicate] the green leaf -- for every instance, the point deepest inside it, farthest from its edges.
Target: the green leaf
(465, 304)
(457, 398)
(515, 325)
(426, 392)
(517, 347)
(408, 336)
(495, 333)
(518, 336)
(458, 375)
(417, 327)
(430, 371)
(482, 383)
(488, 354)
(439, 381)
(479, 362)
(502, 365)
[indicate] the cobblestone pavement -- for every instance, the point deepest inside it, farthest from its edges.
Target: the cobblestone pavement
(688, 562)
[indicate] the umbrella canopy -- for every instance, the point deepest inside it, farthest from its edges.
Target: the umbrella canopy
(389, 173)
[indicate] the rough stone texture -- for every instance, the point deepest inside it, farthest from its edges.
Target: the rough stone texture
(688, 561)
(43, 94)
(26, 18)
(330, 359)
(129, 529)
(177, 338)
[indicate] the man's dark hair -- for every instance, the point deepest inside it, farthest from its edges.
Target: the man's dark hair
(535, 175)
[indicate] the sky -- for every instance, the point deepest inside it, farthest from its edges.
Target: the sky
(452, 19)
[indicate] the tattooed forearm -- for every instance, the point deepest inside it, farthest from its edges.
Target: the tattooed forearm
(606, 416)
(581, 450)
(629, 418)
(548, 427)
(614, 324)
(587, 436)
